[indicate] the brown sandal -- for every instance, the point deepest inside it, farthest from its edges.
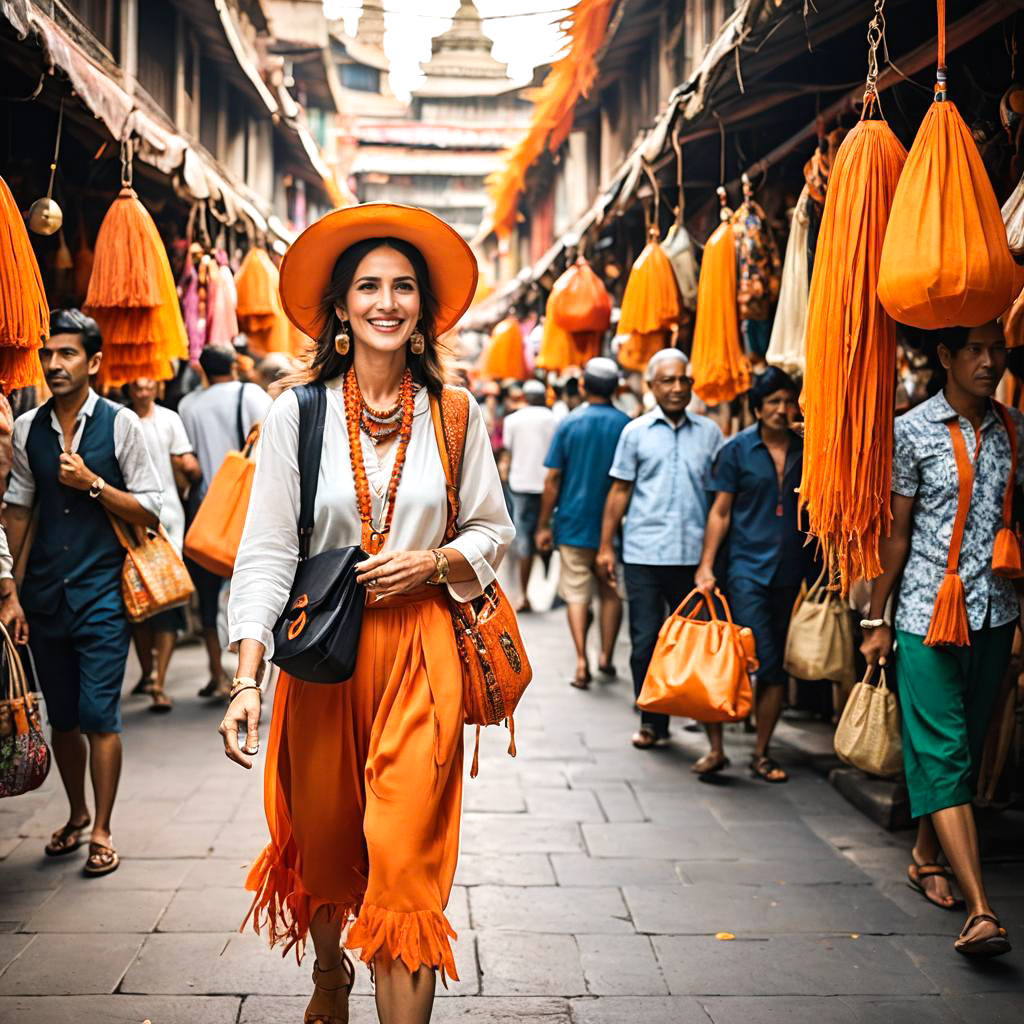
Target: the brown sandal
(764, 768)
(645, 738)
(324, 982)
(916, 873)
(990, 945)
(710, 764)
(67, 839)
(161, 702)
(102, 860)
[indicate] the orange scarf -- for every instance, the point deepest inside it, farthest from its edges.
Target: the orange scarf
(949, 626)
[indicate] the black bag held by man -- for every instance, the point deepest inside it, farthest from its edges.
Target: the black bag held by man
(316, 639)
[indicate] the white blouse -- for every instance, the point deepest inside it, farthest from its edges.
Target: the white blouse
(269, 550)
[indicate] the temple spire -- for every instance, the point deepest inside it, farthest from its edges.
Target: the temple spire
(463, 50)
(370, 27)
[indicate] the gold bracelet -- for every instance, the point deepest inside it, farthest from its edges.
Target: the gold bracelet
(240, 683)
(441, 568)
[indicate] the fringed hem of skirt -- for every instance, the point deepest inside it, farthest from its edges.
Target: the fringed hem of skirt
(419, 938)
(281, 908)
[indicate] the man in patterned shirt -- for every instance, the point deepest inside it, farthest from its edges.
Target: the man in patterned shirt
(947, 692)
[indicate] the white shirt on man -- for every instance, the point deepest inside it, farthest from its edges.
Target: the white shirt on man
(165, 436)
(527, 435)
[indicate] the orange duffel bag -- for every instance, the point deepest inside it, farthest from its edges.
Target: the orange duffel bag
(213, 538)
(701, 668)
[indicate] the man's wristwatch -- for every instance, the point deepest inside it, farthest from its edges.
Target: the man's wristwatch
(96, 487)
(441, 568)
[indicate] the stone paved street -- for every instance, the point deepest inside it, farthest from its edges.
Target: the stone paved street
(592, 881)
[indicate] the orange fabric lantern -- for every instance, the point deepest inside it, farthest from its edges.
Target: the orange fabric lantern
(946, 259)
(24, 314)
(555, 352)
(851, 344)
(580, 301)
(502, 358)
(133, 298)
(719, 368)
(651, 299)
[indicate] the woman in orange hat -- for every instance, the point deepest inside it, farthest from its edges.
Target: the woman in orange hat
(364, 779)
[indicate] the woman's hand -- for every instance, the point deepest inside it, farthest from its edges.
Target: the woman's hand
(243, 711)
(877, 645)
(395, 572)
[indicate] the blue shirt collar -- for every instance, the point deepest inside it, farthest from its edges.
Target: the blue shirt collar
(657, 414)
(938, 410)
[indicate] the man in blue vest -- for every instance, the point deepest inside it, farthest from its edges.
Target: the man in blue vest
(78, 459)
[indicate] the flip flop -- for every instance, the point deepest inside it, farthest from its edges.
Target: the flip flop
(764, 767)
(66, 840)
(143, 687)
(709, 764)
(645, 738)
(990, 945)
(608, 671)
(915, 875)
(581, 682)
(102, 860)
(161, 703)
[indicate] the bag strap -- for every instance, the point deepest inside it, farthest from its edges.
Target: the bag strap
(312, 399)
(1011, 483)
(17, 685)
(965, 482)
(451, 419)
(701, 596)
(239, 427)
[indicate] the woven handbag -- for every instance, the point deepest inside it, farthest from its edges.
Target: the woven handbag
(495, 668)
(154, 577)
(24, 755)
(819, 641)
(868, 734)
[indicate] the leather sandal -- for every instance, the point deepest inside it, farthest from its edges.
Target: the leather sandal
(645, 738)
(989, 945)
(710, 764)
(102, 860)
(763, 767)
(67, 839)
(161, 702)
(918, 872)
(327, 981)
(581, 682)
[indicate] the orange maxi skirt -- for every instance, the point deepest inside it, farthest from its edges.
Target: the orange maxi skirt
(363, 793)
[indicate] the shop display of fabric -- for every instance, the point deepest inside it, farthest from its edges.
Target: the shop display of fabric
(24, 313)
(650, 305)
(636, 349)
(133, 298)
(260, 314)
(851, 343)
(816, 172)
(787, 345)
(679, 249)
(759, 268)
(946, 259)
(581, 305)
(719, 368)
(502, 358)
(223, 318)
(555, 350)
(1013, 219)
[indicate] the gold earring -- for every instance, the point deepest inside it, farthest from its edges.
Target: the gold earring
(342, 341)
(417, 342)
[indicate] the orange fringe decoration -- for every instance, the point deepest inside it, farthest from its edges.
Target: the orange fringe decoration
(851, 343)
(554, 106)
(417, 938)
(502, 357)
(24, 314)
(949, 626)
(260, 314)
(720, 369)
(133, 298)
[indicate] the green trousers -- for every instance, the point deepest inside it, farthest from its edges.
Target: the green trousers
(947, 695)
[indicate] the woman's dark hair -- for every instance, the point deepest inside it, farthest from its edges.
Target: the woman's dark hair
(427, 369)
(74, 321)
(773, 379)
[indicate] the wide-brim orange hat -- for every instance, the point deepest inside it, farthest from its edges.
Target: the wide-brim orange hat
(309, 262)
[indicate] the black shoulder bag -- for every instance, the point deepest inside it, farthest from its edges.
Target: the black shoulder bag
(316, 639)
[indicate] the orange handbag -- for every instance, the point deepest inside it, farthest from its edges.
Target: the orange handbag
(701, 668)
(213, 538)
(495, 669)
(153, 578)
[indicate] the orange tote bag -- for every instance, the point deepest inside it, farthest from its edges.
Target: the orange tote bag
(213, 538)
(946, 260)
(701, 668)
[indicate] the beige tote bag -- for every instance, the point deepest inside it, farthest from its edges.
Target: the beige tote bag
(819, 643)
(868, 734)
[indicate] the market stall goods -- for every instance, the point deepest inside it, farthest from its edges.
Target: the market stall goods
(1013, 219)
(133, 298)
(679, 249)
(786, 347)
(555, 352)
(719, 368)
(758, 273)
(946, 259)
(223, 314)
(24, 314)
(851, 343)
(581, 305)
(260, 314)
(635, 350)
(650, 305)
(502, 357)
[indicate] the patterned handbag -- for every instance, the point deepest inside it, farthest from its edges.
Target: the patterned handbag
(24, 755)
(495, 669)
(154, 577)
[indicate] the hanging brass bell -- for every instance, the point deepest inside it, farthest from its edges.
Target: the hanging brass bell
(45, 216)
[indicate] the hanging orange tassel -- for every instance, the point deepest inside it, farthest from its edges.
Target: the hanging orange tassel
(260, 314)
(502, 357)
(851, 344)
(24, 314)
(720, 370)
(946, 259)
(555, 351)
(949, 626)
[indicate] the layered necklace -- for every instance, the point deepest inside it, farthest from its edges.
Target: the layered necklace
(357, 416)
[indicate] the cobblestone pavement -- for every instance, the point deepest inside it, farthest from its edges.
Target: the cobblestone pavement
(592, 882)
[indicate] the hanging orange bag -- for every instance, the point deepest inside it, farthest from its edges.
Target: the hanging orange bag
(720, 370)
(502, 357)
(946, 260)
(213, 538)
(701, 668)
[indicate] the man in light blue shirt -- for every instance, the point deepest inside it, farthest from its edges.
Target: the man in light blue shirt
(661, 474)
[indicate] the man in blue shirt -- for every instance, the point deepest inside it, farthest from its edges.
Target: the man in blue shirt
(755, 514)
(575, 489)
(660, 478)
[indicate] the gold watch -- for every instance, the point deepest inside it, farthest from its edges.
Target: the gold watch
(441, 568)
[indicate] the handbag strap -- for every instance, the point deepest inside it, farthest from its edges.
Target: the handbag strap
(239, 426)
(312, 399)
(872, 670)
(17, 686)
(1011, 483)
(451, 419)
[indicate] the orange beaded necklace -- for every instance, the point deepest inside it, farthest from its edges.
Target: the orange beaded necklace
(373, 540)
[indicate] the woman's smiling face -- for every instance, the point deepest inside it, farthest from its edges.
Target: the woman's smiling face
(383, 303)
